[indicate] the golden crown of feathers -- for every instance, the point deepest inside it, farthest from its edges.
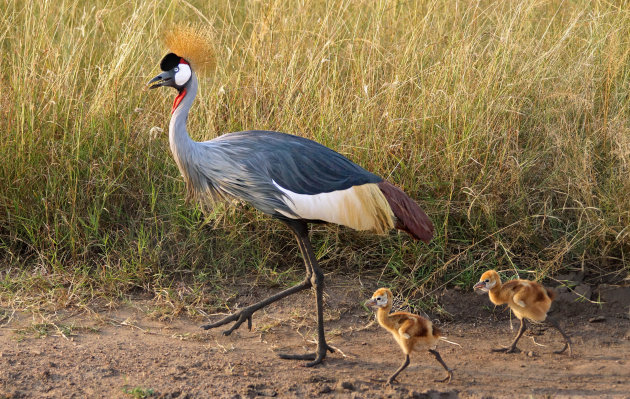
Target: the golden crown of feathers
(193, 43)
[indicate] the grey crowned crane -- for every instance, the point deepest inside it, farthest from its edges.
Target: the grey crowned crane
(291, 178)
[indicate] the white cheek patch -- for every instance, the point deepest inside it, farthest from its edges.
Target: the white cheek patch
(182, 76)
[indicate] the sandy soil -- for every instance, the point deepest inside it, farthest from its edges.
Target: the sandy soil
(125, 353)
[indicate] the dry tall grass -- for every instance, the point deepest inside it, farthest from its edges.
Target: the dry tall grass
(508, 121)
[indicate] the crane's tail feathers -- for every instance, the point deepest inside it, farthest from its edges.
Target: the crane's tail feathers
(410, 217)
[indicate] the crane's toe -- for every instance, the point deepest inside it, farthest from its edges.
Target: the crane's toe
(239, 318)
(315, 357)
(448, 377)
(566, 346)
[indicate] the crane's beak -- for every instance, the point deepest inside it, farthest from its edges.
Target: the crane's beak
(162, 79)
(371, 303)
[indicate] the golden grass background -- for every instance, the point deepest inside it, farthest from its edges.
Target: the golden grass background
(508, 121)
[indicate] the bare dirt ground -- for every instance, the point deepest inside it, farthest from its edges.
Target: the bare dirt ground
(125, 353)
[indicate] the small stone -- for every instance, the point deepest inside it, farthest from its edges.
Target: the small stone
(574, 277)
(530, 354)
(326, 389)
(347, 385)
(614, 294)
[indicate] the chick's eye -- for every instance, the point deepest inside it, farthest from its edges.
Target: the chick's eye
(486, 280)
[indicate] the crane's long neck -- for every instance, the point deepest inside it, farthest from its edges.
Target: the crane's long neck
(180, 142)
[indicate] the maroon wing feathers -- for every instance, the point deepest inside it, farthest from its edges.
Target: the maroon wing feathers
(410, 217)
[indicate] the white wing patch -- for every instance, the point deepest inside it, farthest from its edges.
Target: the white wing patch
(361, 207)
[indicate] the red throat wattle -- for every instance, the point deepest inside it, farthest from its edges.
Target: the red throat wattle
(178, 100)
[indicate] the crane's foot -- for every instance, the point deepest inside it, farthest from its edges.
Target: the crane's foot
(566, 346)
(448, 377)
(315, 357)
(239, 318)
(567, 340)
(391, 380)
(246, 314)
(509, 349)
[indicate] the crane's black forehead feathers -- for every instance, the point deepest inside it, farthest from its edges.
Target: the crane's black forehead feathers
(170, 61)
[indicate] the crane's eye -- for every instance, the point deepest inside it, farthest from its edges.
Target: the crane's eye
(176, 69)
(486, 280)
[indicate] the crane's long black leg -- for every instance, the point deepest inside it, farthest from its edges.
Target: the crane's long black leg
(390, 380)
(246, 313)
(567, 341)
(449, 370)
(512, 347)
(317, 280)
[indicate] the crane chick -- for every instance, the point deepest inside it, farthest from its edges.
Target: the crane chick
(409, 330)
(527, 299)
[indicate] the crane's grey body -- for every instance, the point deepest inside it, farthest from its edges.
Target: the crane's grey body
(245, 165)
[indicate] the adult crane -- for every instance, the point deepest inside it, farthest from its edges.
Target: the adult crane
(291, 178)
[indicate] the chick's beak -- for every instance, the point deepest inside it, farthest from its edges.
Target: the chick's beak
(479, 285)
(371, 302)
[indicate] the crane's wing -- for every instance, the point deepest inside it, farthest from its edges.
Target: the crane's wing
(280, 174)
(292, 177)
(300, 165)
